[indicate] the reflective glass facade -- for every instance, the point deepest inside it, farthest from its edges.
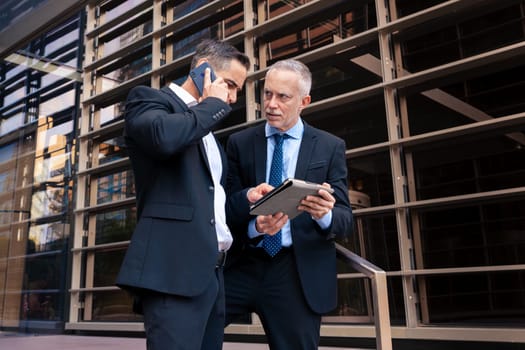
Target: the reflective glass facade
(40, 92)
(427, 94)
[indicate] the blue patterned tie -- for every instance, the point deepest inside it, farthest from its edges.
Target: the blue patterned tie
(272, 244)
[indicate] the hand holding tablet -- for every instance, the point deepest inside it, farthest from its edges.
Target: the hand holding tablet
(286, 198)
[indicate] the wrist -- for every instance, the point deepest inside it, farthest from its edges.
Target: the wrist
(248, 194)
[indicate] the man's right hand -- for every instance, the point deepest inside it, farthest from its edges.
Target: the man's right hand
(256, 193)
(217, 88)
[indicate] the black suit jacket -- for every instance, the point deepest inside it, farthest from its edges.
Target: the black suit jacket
(321, 159)
(174, 245)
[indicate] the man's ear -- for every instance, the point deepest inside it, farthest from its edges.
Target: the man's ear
(305, 101)
(201, 61)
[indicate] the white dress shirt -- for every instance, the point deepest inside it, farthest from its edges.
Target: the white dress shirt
(224, 236)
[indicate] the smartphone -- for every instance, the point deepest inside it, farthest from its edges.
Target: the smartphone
(197, 75)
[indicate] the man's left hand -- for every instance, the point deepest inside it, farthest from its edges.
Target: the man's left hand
(318, 206)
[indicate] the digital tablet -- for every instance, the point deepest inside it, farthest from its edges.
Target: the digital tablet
(286, 198)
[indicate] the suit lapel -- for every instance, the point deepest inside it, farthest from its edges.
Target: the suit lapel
(178, 104)
(308, 144)
(259, 154)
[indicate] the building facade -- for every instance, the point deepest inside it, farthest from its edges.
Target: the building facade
(427, 94)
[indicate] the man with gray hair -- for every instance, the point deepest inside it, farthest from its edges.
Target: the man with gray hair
(285, 270)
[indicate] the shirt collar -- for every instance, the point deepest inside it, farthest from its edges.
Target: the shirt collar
(295, 132)
(183, 94)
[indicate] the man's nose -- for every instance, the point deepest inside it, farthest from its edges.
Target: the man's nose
(232, 96)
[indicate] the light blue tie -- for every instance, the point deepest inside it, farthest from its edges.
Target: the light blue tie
(272, 244)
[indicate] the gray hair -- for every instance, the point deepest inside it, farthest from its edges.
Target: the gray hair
(305, 76)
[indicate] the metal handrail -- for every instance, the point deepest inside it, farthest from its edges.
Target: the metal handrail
(377, 278)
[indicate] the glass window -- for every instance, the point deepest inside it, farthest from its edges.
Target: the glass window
(494, 297)
(114, 306)
(48, 237)
(14, 122)
(111, 150)
(107, 265)
(14, 95)
(347, 122)
(477, 235)
(407, 7)
(61, 41)
(111, 11)
(469, 166)
(115, 226)
(55, 103)
(110, 113)
(340, 22)
(372, 176)
(447, 43)
(115, 187)
(114, 44)
(111, 76)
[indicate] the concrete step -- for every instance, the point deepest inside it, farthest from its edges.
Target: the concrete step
(24, 341)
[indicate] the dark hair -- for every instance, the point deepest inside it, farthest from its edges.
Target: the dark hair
(219, 54)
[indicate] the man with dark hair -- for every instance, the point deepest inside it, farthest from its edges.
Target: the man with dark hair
(285, 270)
(173, 265)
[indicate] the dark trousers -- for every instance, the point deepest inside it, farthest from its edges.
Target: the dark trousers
(271, 288)
(186, 323)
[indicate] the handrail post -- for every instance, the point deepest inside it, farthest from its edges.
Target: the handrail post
(377, 277)
(381, 312)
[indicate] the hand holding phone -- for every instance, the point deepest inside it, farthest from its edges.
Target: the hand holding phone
(197, 75)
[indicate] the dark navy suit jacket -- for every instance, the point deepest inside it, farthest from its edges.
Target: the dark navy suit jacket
(321, 159)
(174, 245)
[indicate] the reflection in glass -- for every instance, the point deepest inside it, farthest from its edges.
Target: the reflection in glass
(13, 96)
(42, 306)
(115, 187)
(113, 12)
(61, 71)
(12, 123)
(117, 75)
(114, 306)
(51, 201)
(352, 300)
(110, 113)
(52, 168)
(48, 237)
(61, 42)
(110, 150)
(127, 38)
(42, 298)
(372, 175)
(115, 226)
(57, 103)
(107, 264)
(14, 10)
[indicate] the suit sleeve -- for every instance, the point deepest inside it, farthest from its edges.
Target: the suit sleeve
(237, 185)
(155, 126)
